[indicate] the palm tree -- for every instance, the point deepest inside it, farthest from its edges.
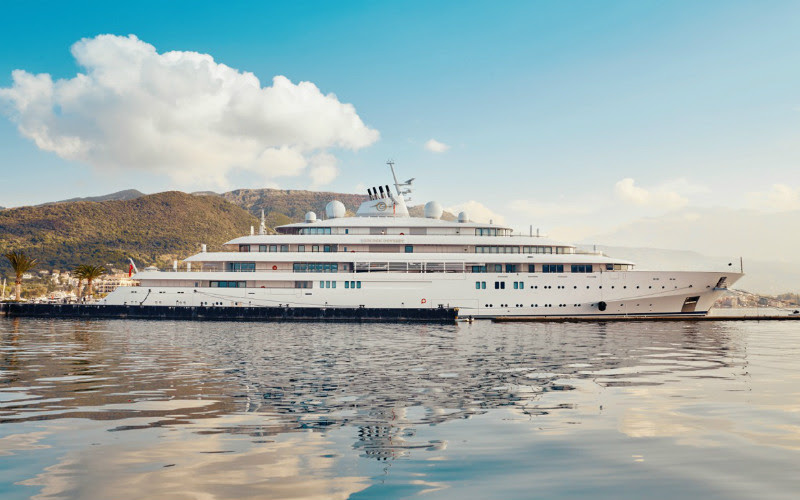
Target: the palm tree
(91, 273)
(21, 264)
(80, 273)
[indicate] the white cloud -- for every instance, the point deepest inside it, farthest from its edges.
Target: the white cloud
(436, 146)
(181, 114)
(662, 197)
(477, 212)
(323, 169)
(780, 198)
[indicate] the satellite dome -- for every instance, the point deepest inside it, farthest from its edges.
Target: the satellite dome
(334, 209)
(463, 217)
(433, 210)
(311, 217)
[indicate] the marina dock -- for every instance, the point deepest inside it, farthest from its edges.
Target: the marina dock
(220, 313)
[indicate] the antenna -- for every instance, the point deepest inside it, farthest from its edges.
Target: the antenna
(402, 188)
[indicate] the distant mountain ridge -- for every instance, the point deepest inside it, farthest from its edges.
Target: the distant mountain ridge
(126, 194)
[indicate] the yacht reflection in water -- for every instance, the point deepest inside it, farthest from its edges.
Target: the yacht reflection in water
(382, 381)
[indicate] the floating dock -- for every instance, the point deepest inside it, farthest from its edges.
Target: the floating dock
(217, 313)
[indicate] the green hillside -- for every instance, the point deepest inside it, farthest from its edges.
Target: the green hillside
(152, 229)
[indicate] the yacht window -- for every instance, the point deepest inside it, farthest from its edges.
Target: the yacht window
(284, 248)
(273, 248)
(478, 269)
(315, 248)
(227, 284)
(477, 285)
(347, 284)
(553, 268)
(244, 248)
(434, 267)
(242, 266)
(378, 267)
(498, 268)
(409, 249)
(326, 248)
(483, 285)
(531, 268)
(301, 248)
(333, 284)
(358, 284)
(398, 267)
(511, 268)
(609, 267)
(262, 248)
(346, 231)
(581, 268)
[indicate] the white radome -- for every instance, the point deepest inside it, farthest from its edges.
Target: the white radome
(433, 210)
(463, 217)
(311, 217)
(335, 209)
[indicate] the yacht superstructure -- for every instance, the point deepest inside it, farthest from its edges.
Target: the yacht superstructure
(384, 258)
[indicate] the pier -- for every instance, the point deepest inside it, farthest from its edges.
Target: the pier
(219, 313)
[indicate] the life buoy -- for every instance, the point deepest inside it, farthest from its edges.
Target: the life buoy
(274, 268)
(423, 301)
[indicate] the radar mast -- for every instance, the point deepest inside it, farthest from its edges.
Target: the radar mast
(402, 188)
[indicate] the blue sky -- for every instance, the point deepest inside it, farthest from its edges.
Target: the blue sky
(574, 116)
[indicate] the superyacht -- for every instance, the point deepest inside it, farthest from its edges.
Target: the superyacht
(384, 258)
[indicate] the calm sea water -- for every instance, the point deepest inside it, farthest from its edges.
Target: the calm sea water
(178, 410)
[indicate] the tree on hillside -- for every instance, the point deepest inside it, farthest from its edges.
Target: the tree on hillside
(80, 273)
(90, 273)
(21, 264)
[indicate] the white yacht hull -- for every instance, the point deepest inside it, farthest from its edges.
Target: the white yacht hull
(606, 294)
